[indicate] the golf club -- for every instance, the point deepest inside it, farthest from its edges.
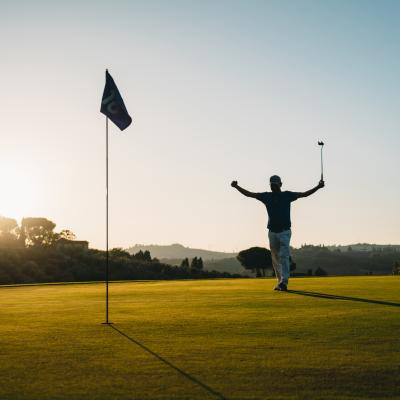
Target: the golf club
(322, 164)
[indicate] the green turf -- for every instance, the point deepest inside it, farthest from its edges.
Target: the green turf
(221, 339)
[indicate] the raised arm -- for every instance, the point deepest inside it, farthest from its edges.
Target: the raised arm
(243, 191)
(320, 185)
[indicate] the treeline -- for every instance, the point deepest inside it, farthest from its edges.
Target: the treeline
(377, 262)
(320, 261)
(33, 252)
(34, 265)
(32, 232)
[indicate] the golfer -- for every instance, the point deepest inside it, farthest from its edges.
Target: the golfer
(279, 224)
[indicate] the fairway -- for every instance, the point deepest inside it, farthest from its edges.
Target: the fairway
(332, 338)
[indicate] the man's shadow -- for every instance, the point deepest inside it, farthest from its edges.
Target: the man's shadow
(336, 297)
(165, 361)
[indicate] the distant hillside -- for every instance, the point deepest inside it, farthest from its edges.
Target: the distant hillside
(365, 247)
(353, 259)
(178, 252)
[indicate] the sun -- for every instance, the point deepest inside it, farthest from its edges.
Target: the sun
(19, 190)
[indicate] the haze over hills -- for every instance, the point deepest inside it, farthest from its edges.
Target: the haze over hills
(366, 247)
(177, 251)
(353, 259)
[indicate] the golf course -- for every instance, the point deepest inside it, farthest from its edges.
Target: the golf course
(327, 338)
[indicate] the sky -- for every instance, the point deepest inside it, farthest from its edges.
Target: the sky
(218, 91)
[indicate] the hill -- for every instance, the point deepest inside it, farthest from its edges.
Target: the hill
(366, 248)
(329, 338)
(177, 251)
(229, 265)
(361, 259)
(337, 262)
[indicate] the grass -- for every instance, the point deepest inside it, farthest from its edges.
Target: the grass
(210, 339)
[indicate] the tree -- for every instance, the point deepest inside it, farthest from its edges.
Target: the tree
(196, 264)
(143, 255)
(147, 256)
(119, 252)
(320, 272)
(200, 264)
(38, 232)
(256, 258)
(396, 268)
(67, 234)
(185, 263)
(8, 231)
(138, 255)
(292, 264)
(193, 264)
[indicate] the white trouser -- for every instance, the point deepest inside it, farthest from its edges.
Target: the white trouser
(280, 253)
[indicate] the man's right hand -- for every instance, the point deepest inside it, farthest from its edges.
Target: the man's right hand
(234, 184)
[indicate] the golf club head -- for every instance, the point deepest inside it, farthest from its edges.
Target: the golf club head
(320, 143)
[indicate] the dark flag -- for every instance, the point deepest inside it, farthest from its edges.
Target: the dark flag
(113, 106)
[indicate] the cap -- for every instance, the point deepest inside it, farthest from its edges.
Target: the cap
(275, 179)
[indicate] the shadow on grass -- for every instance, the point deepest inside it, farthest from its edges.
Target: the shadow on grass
(163, 360)
(335, 297)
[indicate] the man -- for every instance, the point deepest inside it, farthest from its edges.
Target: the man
(279, 224)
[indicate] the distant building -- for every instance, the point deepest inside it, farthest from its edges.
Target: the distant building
(72, 244)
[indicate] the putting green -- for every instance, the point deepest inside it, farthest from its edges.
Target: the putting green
(334, 338)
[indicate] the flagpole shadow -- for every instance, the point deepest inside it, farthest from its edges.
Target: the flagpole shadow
(336, 297)
(165, 361)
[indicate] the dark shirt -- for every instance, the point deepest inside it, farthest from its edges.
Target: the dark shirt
(278, 208)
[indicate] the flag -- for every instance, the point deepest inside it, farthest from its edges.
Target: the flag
(113, 106)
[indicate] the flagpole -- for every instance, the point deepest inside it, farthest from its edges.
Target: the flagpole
(113, 107)
(107, 256)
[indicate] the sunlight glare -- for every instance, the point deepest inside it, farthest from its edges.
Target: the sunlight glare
(19, 190)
